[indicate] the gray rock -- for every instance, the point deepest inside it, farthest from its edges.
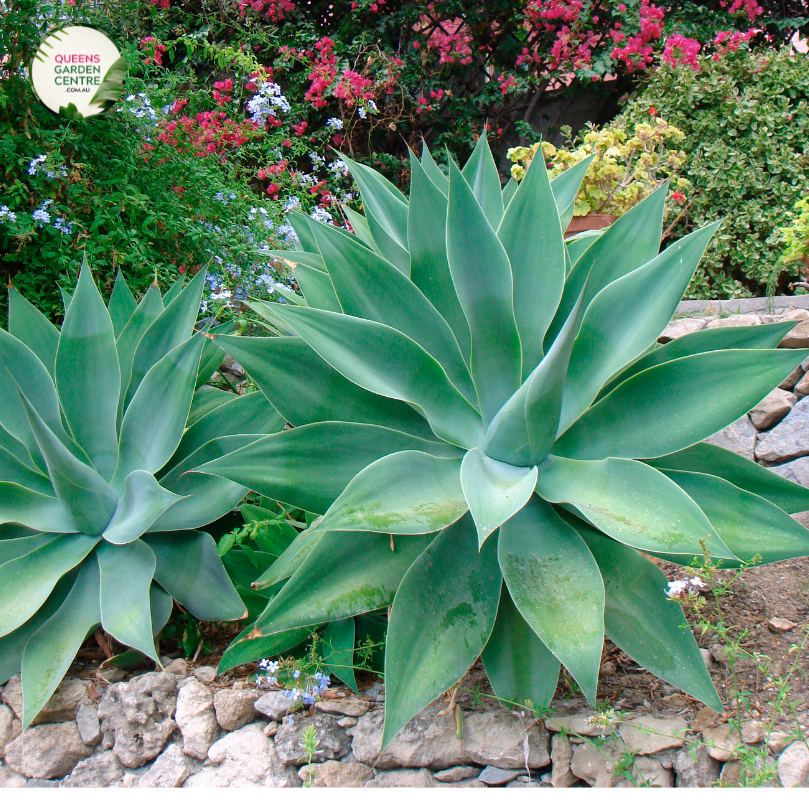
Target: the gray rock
(455, 774)
(531, 784)
(347, 722)
(595, 766)
(61, 707)
(753, 732)
(578, 725)
(792, 380)
(778, 741)
(205, 674)
(739, 437)
(802, 386)
(681, 327)
(169, 771)
(789, 439)
(772, 409)
(47, 751)
(332, 741)
(734, 320)
(427, 740)
(10, 779)
(6, 728)
(196, 719)
(650, 772)
(42, 783)
(244, 758)
(88, 724)
(561, 756)
(797, 471)
(721, 742)
(695, 769)
(137, 717)
(101, 770)
(797, 338)
(235, 709)
(178, 667)
(793, 766)
(495, 777)
(345, 707)
(403, 779)
(275, 705)
(646, 735)
(336, 774)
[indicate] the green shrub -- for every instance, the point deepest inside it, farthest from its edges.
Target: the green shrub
(99, 423)
(745, 118)
(468, 415)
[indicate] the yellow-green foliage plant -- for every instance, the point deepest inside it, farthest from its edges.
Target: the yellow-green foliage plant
(495, 441)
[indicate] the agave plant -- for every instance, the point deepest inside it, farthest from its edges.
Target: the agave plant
(99, 423)
(496, 441)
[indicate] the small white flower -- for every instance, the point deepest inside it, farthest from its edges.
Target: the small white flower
(361, 112)
(676, 588)
(334, 123)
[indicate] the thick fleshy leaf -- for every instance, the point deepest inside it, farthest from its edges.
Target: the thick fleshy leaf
(631, 502)
(248, 648)
(212, 356)
(88, 377)
(13, 470)
(34, 510)
(154, 422)
(495, 491)
(748, 524)
(437, 177)
(509, 190)
(441, 618)
(408, 492)
(250, 414)
(142, 502)
(305, 389)
(366, 283)
(289, 561)
(625, 317)
(642, 621)
(387, 362)
(767, 336)
(359, 224)
(566, 185)
(338, 651)
(13, 644)
(532, 236)
(288, 466)
(81, 490)
(292, 258)
(207, 398)
(521, 669)
(161, 606)
(175, 289)
(14, 548)
(172, 327)
(148, 310)
(52, 648)
(693, 396)
(577, 245)
(29, 325)
(317, 288)
(26, 582)
(122, 304)
(347, 574)
(427, 241)
(300, 224)
(66, 298)
(481, 274)
(555, 584)
(190, 570)
(626, 245)
(747, 475)
(481, 173)
(126, 578)
(386, 212)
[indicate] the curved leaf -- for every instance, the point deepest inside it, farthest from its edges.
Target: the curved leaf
(693, 396)
(13, 470)
(347, 574)
(305, 389)
(126, 578)
(555, 584)
(14, 548)
(532, 236)
(441, 618)
(338, 651)
(649, 627)
(359, 224)
(161, 606)
(26, 582)
(88, 377)
(481, 274)
(122, 304)
(142, 502)
(431, 169)
(207, 398)
(495, 491)
(520, 667)
(387, 362)
(631, 502)
(289, 561)
(190, 570)
(52, 648)
(481, 173)
(34, 510)
(246, 649)
(317, 288)
(408, 492)
(30, 326)
(566, 185)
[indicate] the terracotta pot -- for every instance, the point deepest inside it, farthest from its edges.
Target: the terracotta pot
(592, 221)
